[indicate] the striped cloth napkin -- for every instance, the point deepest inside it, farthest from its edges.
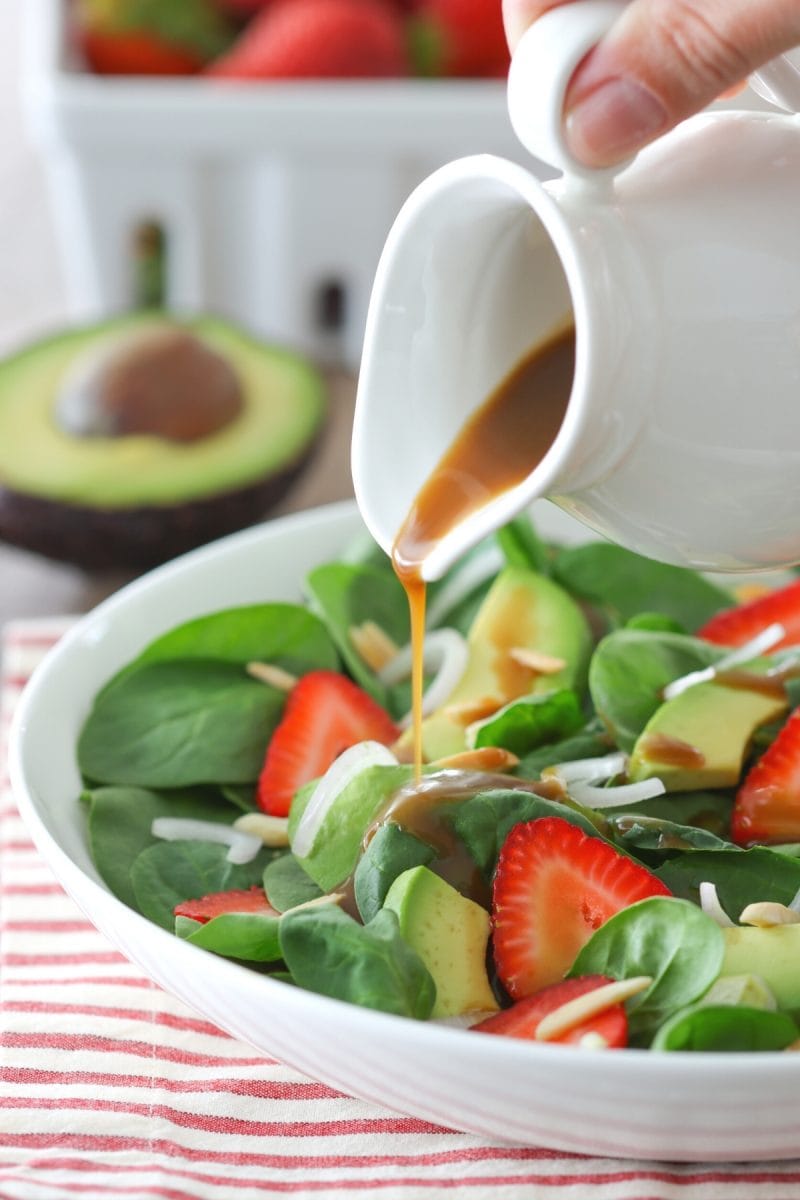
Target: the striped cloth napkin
(110, 1087)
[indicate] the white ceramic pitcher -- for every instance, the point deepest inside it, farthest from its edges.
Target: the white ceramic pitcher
(682, 273)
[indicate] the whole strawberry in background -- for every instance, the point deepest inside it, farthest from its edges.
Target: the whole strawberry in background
(150, 37)
(317, 39)
(458, 38)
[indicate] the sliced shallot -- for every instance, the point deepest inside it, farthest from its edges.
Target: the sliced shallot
(710, 904)
(446, 652)
(342, 771)
(615, 797)
(243, 846)
(763, 641)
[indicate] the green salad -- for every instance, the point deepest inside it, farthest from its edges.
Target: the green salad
(602, 847)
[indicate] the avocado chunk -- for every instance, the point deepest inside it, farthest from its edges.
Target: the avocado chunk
(699, 738)
(772, 954)
(450, 934)
(126, 443)
(521, 610)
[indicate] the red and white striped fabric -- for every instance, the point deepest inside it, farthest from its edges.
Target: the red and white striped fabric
(110, 1087)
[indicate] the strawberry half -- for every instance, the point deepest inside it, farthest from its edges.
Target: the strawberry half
(238, 900)
(325, 714)
(554, 886)
(735, 626)
(767, 805)
(523, 1018)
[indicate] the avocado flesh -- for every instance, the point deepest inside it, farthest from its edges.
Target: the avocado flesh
(521, 609)
(135, 500)
(714, 721)
(773, 954)
(450, 934)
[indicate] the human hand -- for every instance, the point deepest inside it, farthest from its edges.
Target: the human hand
(663, 61)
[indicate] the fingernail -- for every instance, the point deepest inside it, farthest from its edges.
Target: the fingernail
(613, 121)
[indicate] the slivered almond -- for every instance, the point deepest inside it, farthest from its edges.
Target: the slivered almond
(318, 901)
(590, 1004)
(542, 664)
(593, 1041)
(272, 674)
(373, 644)
(766, 915)
(487, 758)
(273, 831)
(746, 592)
(473, 710)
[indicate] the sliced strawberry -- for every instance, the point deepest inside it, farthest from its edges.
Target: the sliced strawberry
(735, 626)
(238, 900)
(459, 37)
(523, 1018)
(325, 714)
(554, 886)
(136, 53)
(767, 805)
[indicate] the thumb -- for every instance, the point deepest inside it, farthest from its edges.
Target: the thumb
(663, 61)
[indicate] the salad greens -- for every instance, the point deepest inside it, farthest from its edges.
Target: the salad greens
(182, 734)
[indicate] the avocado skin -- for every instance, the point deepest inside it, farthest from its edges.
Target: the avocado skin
(140, 537)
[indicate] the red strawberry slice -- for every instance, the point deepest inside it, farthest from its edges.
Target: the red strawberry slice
(554, 886)
(523, 1018)
(767, 805)
(238, 900)
(325, 714)
(735, 626)
(459, 37)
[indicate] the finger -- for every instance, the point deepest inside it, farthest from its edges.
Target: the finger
(663, 61)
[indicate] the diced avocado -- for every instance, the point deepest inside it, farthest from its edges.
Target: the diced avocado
(699, 738)
(334, 851)
(750, 990)
(771, 953)
(450, 934)
(525, 610)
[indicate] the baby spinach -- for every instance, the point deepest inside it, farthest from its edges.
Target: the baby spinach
(252, 937)
(637, 832)
(530, 721)
(522, 546)
(286, 883)
(704, 810)
(171, 724)
(741, 877)
(670, 940)
(629, 670)
(391, 851)
(729, 1027)
(624, 584)
(591, 742)
(120, 820)
(167, 873)
(328, 952)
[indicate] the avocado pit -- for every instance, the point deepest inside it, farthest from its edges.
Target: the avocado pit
(163, 382)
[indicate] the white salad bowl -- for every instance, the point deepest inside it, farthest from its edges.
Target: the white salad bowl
(629, 1103)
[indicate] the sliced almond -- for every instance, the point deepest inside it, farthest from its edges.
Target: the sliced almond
(542, 664)
(473, 710)
(317, 902)
(273, 675)
(487, 758)
(273, 831)
(373, 644)
(593, 1041)
(590, 1004)
(766, 915)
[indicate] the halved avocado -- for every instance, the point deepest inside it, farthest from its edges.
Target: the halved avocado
(126, 443)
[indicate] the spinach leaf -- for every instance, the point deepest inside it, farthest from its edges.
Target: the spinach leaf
(329, 952)
(741, 877)
(286, 883)
(167, 873)
(285, 634)
(629, 670)
(654, 623)
(522, 546)
(729, 1027)
(346, 595)
(636, 831)
(484, 821)
(625, 584)
(591, 742)
(391, 851)
(171, 724)
(120, 820)
(705, 810)
(530, 721)
(672, 941)
(252, 937)
(242, 795)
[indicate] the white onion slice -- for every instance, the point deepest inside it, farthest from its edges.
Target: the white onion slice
(475, 571)
(709, 902)
(447, 653)
(243, 846)
(616, 797)
(589, 770)
(342, 771)
(794, 904)
(762, 642)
